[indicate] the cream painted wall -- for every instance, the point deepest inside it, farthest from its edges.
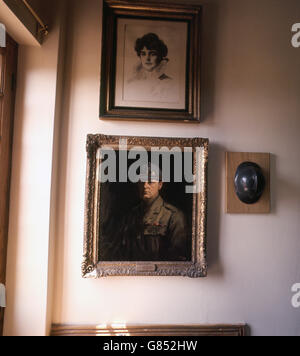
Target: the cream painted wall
(250, 91)
(30, 244)
(251, 86)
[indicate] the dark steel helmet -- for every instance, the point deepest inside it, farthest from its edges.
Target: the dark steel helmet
(249, 182)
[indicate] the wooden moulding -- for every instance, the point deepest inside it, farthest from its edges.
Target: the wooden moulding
(149, 330)
(233, 204)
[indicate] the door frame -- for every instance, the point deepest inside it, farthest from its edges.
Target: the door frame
(8, 73)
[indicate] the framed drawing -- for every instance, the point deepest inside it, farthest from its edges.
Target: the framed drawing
(150, 61)
(145, 210)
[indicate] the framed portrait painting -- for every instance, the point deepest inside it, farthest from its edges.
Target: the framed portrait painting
(150, 61)
(145, 210)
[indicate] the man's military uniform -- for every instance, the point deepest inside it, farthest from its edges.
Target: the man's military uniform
(154, 233)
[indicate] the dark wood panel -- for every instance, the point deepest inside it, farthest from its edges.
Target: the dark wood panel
(7, 103)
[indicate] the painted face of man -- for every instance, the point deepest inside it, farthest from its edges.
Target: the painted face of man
(149, 59)
(149, 191)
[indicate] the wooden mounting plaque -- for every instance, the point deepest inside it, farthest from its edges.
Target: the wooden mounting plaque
(233, 204)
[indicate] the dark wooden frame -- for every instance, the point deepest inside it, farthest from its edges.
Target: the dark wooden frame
(238, 330)
(91, 266)
(139, 10)
(7, 104)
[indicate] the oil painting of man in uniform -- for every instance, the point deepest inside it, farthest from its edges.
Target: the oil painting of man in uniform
(151, 230)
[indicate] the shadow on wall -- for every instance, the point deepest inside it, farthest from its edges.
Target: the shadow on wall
(215, 207)
(61, 157)
(209, 35)
(216, 180)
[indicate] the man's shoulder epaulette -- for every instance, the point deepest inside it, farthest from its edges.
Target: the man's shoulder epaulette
(170, 207)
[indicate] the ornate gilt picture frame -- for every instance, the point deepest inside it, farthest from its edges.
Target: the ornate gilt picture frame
(146, 207)
(150, 61)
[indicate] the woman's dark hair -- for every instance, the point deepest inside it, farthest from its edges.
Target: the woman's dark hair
(152, 42)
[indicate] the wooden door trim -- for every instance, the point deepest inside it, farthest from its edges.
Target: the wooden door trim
(149, 330)
(7, 104)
